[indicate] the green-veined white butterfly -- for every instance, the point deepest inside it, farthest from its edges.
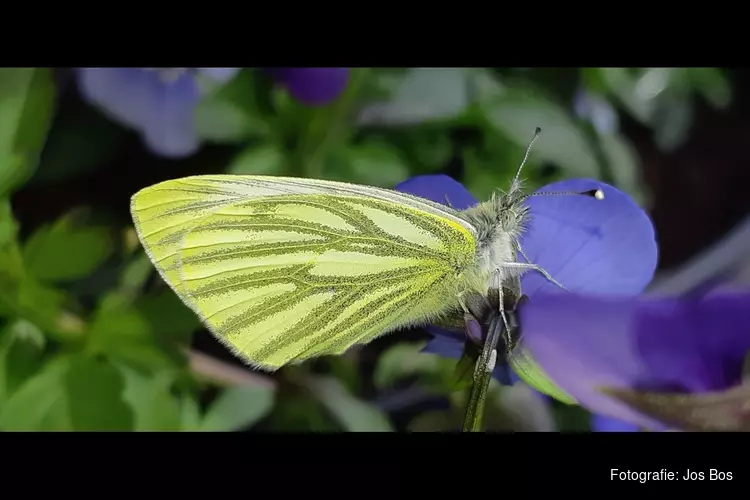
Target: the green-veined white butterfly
(283, 269)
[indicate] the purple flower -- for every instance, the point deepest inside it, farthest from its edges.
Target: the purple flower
(609, 249)
(159, 103)
(312, 86)
(666, 345)
(600, 423)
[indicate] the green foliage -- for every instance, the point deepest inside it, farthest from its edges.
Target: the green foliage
(238, 407)
(232, 113)
(92, 339)
(352, 413)
(47, 252)
(520, 110)
(26, 101)
(70, 393)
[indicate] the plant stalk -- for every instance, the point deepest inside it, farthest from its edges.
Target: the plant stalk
(483, 369)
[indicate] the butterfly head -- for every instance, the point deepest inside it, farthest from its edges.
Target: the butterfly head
(504, 215)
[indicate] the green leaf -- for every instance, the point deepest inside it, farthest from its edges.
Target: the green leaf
(190, 415)
(11, 262)
(44, 306)
(21, 347)
(593, 80)
(346, 369)
(403, 360)
(517, 114)
(26, 106)
(72, 393)
(623, 84)
(154, 406)
(354, 414)
(484, 86)
(572, 418)
(672, 120)
(95, 391)
(530, 372)
(238, 407)
(464, 371)
(232, 113)
(40, 404)
(134, 276)
(21, 295)
(423, 95)
(265, 159)
(299, 412)
(62, 252)
(712, 84)
(372, 163)
(436, 373)
(169, 318)
(125, 334)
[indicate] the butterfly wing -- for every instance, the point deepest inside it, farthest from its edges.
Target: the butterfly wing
(285, 269)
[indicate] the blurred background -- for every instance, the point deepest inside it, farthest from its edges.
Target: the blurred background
(92, 339)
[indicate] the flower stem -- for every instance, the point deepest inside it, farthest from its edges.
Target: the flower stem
(482, 376)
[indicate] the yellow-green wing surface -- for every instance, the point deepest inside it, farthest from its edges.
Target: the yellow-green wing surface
(284, 269)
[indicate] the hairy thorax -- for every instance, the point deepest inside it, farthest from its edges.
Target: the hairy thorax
(499, 224)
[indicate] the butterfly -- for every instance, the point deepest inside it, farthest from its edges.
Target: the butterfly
(284, 269)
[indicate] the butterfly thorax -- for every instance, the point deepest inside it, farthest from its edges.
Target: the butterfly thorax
(499, 223)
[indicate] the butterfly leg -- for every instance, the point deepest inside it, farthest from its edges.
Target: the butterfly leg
(533, 267)
(501, 307)
(462, 302)
(523, 254)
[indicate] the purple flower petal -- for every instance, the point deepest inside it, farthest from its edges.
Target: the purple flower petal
(444, 343)
(449, 345)
(161, 111)
(600, 423)
(667, 345)
(169, 128)
(122, 93)
(473, 329)
(440, 189)
(313, 86)
(590, 246)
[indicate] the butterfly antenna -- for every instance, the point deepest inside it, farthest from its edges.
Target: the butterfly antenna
(591, 193)
(526, 155)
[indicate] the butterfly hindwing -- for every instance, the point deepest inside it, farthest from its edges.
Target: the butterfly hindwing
(282, 270)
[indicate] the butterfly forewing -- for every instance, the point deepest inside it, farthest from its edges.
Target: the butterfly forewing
(283, 270)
